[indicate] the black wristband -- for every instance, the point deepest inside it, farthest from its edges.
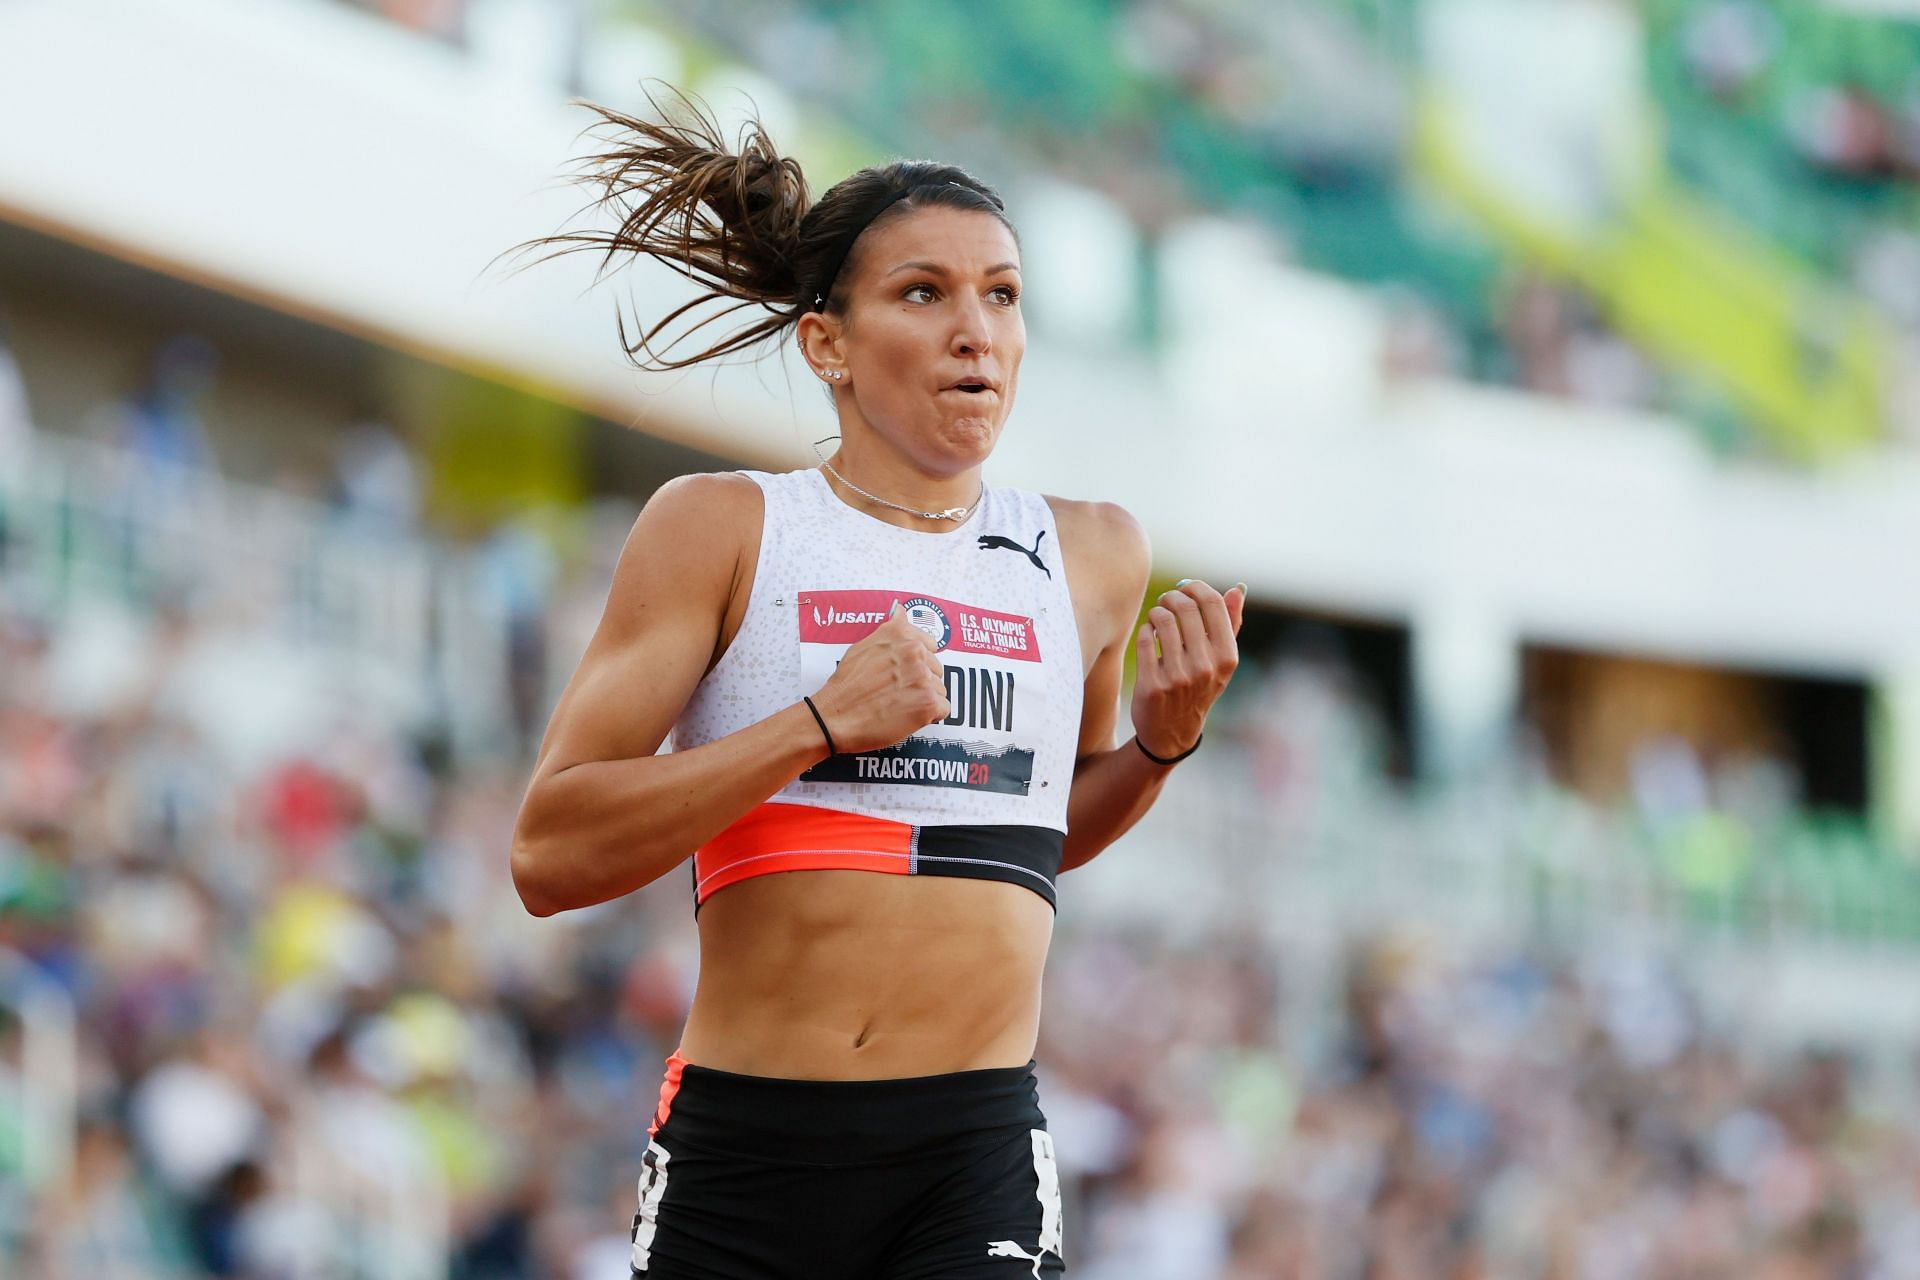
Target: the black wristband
(1169, 759)
(831, 749)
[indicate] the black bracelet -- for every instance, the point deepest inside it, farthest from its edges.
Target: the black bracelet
(831, 749)
(1170, 760)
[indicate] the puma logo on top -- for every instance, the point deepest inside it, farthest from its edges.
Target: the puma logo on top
(990, 540)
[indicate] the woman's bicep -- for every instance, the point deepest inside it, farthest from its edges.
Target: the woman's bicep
(1100, 704)
(1127, 562)
(659, 629)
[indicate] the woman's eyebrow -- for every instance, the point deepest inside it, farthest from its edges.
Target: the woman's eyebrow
(936, 269)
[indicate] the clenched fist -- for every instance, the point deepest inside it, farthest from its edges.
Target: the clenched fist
(888, 684)
(1185, 651)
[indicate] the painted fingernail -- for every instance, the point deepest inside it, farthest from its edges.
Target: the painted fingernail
(1183, 582)
(1242, 586)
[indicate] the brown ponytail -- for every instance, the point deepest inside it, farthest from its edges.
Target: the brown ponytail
(741, 223)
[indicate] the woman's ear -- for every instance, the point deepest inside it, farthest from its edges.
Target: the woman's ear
(819, 338)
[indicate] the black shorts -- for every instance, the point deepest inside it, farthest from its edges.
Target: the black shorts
(945, 1177)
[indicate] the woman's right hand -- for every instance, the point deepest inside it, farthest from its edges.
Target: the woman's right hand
(889, 683)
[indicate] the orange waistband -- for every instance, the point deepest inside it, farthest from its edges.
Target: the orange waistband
(777, 836)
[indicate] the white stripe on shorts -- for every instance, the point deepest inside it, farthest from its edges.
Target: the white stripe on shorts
(653, 1185)
(1048, 1175)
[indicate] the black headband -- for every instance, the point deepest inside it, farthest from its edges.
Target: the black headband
(820, 297)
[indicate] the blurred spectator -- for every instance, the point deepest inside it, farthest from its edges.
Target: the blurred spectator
(16, 419)
(1560, 346)
(519, 565)
(16, 440)
(160, 423)
(196, 1114)
(96, 1224)
(1844, 130)
(160, 450)
(1728, 45)
(1311, 736)
(1886, 267)
(375, 482)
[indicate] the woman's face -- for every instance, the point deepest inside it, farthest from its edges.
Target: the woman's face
(934, 301)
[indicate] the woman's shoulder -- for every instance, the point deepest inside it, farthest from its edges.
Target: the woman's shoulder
(697, 493)
(684, 549)
(1100, 523)
(1106, 544)
(707, 507)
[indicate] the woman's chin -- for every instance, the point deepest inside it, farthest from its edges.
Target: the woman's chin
(973, 432)
(952, 441)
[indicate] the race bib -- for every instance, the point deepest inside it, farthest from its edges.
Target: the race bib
(991, 662)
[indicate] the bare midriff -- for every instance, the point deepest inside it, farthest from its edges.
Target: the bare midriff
(856, 975)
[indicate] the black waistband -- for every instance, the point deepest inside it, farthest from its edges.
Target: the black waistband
(1023, 855)
(846, 1121)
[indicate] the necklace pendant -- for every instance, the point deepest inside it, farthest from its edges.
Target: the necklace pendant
(953, 513)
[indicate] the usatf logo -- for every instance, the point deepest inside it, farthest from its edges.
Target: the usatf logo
(833, 616)
(928, 616)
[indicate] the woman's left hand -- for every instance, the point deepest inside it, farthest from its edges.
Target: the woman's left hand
(1197, 629)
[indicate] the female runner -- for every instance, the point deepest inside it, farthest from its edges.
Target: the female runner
(892, 690)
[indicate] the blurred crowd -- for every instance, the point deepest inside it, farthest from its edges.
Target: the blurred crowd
(1515, 1113)
(318, 1036)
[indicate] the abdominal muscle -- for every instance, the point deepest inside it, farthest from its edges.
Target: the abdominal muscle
(859, 975)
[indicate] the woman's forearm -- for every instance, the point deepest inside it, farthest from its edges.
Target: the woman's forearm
(600, 829)
(1111, 790)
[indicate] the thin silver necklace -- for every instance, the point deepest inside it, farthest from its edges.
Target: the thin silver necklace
(951, 513)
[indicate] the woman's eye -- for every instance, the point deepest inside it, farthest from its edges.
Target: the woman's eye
(1012, 295)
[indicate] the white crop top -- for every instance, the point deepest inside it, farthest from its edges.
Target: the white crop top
(980, 794)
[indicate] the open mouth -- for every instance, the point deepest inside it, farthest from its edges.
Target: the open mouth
(971, 388)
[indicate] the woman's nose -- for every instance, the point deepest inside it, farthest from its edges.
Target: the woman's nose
(970, 330)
